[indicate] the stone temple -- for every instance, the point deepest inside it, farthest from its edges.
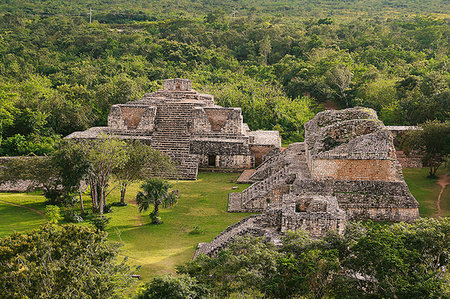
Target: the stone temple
(190, 128)
(345, 170)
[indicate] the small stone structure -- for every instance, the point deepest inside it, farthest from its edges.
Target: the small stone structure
(189, 127)
(345, 170)
(410, 160)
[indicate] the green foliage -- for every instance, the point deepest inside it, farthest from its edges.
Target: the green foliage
(60, 262)
(142, 163)
(156, 192)
(63, 74)
(433, 139)
(403, 260)
(40, 171)
(180, 287)
(104, 155)
(100, 222)
(53, 214)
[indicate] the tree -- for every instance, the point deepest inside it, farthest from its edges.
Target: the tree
(401, 260)
(39, 171)
(71, 160)
(244, 267)
(68, 261)
(143, 162)
(341, 77)
(104, 155)
(156, 192)
(265, 48)
(180, 287)
(433, 139)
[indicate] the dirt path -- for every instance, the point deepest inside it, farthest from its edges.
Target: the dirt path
(443, 181)
(31, 209)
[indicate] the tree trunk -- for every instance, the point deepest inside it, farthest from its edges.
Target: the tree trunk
(156, 209)
(123, 189)
(101, 201)
(81, 202)
(104, 197)
(94, 196)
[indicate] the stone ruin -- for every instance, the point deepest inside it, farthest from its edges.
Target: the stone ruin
(190, 128)
(345, 170)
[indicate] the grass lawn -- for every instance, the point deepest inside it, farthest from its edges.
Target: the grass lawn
(14, 218)
(199, 216)
(156, 248)
(426, 191)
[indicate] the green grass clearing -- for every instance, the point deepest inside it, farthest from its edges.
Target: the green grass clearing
(198, 217)
(426, 191)
(156, 248)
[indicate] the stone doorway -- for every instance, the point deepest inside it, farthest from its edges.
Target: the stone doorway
(212, 160)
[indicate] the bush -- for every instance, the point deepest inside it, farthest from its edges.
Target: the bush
(67, 261)
(196, 231)
(101, 222)
(107, 208)
(181, 287)
(53, 214)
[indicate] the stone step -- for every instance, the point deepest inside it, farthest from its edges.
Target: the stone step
(226, 237)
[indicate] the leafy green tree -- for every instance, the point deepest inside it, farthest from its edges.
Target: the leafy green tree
(433, 139)
(143, 162)
(39, 171)
(73, 168)
(179, 287)
(401, 260)
(104, 155)
(60, 262)
(155, 192)
(53, 214)
(244, 267)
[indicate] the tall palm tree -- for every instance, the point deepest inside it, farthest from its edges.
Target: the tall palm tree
(156, 192)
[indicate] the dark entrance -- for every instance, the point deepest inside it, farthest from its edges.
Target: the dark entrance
(212, 160)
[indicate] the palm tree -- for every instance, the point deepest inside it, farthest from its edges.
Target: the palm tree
(156, 192)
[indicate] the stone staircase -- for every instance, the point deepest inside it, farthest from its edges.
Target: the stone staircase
(275, 162)
(249, 200)
(244, 227)
(172, 137)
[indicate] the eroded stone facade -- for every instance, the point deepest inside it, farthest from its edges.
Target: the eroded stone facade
(190, 127)
(345, 170)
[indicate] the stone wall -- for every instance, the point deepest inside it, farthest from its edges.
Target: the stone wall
(207, 146)
(226, 161)
(132, 117)
(225, 120)
(409, 161)
(177, 84)
(342, 169)
(260, 151)
(364, 200)
(20, 185)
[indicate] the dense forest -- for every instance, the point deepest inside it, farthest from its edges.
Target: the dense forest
(281, 61)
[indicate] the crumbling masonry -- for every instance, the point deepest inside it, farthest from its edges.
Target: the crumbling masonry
(345, 170)
(190, 128)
